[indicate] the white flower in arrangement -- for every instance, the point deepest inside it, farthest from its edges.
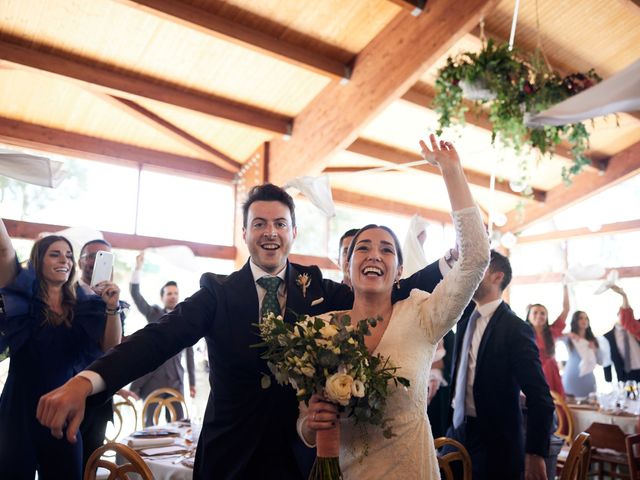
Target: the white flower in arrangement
(308, 371)
(357, 389)
(328, 331)
(282, 377)
(338, 388)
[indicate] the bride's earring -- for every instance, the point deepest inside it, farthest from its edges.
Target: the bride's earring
(398, 284)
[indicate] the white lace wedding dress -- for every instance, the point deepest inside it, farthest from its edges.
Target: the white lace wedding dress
(410, 341)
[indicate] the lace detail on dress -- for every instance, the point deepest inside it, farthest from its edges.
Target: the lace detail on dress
(454, 292)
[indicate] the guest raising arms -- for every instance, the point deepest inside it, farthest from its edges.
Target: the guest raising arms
(546, 336)
(50, 330)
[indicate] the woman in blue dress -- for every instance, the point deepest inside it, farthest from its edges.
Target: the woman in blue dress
(50, 332)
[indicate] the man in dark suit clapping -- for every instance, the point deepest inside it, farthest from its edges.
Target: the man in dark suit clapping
(248, 432)
(495, 358)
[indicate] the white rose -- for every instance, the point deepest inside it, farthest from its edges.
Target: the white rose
(357, 389)
(338, 388)
(328, 330)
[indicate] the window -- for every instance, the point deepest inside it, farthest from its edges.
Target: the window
(97, 195)
(185, 208)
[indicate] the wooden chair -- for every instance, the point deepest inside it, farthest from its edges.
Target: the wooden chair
(576, 467)
(135, 463)
(123, 410)
(609, 451)
(445, 460)
(565, 418)
(632, 443)
(164, 398)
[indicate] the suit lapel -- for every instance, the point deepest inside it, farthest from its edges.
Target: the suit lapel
(242, 311)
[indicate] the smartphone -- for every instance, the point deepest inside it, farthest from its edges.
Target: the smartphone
(102, 267)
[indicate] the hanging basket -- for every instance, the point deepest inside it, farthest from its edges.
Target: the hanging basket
(476, 90)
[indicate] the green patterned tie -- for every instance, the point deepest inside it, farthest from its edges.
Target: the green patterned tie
(270, 301)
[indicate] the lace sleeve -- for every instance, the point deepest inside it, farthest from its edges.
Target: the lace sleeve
(450, 297)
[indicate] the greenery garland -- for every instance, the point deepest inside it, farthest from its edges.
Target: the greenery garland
(518, 88)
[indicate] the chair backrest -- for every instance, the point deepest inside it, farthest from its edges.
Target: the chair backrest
(123, 412)
(167, 398)
(605, 435)
(576, 466)
(445, 460)
(633, 445)
(135, 463)
(565, 418)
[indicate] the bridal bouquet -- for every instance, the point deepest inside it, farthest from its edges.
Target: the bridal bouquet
(330, 358)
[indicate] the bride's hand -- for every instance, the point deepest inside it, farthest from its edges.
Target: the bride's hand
(441, 153)
(321, 415)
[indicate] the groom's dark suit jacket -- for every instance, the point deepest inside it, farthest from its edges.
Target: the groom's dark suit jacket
(248, 432)
(508, 362)
(618, 360)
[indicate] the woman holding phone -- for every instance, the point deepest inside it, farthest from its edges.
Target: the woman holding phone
(49, 331)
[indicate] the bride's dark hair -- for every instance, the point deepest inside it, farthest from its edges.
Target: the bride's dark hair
(382, 227)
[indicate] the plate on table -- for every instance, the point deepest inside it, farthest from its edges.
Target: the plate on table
(154, 433)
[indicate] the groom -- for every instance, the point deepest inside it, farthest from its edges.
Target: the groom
(248, 432)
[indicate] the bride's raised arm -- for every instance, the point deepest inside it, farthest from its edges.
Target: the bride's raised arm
(8, 268)
(444, 155)
(454, 292)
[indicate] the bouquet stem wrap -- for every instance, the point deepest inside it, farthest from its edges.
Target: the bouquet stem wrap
(327, 464)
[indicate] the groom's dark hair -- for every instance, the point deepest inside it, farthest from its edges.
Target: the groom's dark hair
(268, 193)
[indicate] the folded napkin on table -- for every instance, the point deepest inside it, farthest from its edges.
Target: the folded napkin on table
(168, 450)
(150, 442)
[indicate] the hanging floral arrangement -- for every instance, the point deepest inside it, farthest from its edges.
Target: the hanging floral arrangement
(512, 89)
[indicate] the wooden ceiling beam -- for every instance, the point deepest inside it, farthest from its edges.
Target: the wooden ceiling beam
(53, 140)
(361, 200)
(121, 82)
(622, 166)
(398, 156)
(30, 230)
(608, 229)
(385, 69)
(416, 7)
(213, 25)
(167, 128)
(424, 94)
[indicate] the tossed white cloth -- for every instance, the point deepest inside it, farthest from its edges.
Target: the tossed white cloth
(412, 250)
(31, 168)
(416, 326)
(609, 282)
(317, 190)
(619, 93)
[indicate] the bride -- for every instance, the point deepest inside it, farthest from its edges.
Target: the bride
(408, 334)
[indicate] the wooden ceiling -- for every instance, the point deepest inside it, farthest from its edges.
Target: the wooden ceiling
(335, 86)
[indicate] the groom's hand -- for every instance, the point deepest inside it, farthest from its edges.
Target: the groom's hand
(534, 467)
(64, 406)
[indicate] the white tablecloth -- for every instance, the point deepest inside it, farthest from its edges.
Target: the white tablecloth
(583, 418)
(170, 467)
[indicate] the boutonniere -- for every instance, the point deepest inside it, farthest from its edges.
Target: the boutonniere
(303, 281)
